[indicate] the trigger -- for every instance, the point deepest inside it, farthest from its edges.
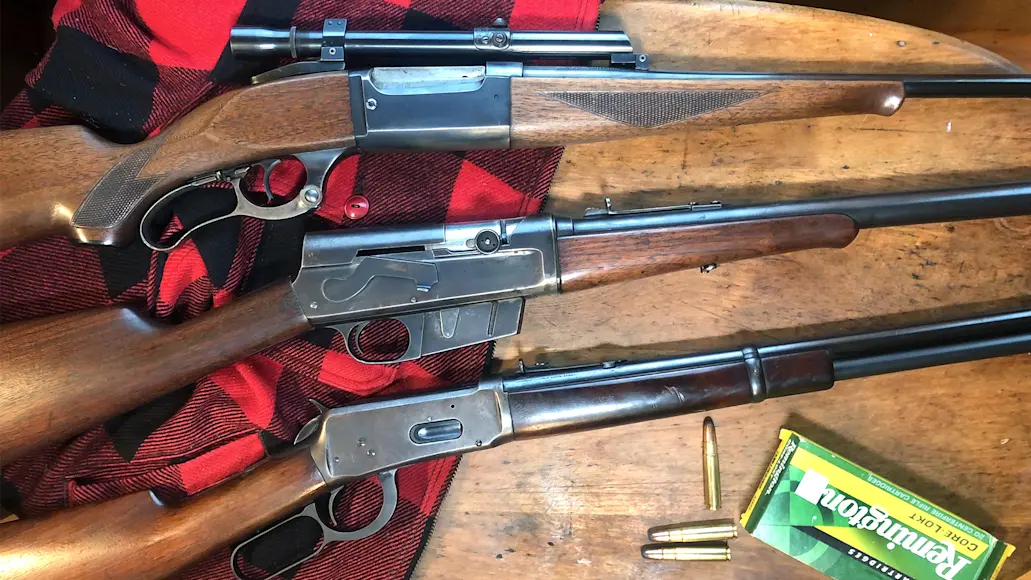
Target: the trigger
(266, 179)
(331, 510)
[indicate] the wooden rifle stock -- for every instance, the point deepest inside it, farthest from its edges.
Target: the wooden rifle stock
(591, 260)
(560, 111)
(61, 375)
(68, 181)
(135, 537)
(50, 175)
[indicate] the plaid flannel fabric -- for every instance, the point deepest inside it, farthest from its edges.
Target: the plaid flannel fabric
(128, 68)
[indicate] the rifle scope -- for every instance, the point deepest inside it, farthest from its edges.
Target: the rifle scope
(483, 43)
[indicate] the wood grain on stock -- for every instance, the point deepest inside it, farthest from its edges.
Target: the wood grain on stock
(548, 112)
(46, 174)
(63, 374)
(591, 260)
(134, 537)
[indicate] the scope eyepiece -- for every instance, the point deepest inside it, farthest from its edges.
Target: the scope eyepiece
(254, 42)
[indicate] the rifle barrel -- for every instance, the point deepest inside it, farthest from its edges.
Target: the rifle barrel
(917, 337)
(932, 356)
(854, 355)
(867, 211)
(959, 86)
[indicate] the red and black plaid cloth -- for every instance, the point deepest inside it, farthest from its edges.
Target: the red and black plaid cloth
(128, 68)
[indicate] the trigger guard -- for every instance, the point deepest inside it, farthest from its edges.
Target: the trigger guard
(317, 165)
(388, 481)
(244, 207)
(413, 351)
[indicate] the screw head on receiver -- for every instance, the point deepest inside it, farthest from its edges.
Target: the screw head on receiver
(487, 242)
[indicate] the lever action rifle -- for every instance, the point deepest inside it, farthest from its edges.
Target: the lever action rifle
(69, 181)
(449, 285)
(134, 537)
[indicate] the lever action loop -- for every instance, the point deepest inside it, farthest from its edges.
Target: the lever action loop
(244, 207)
(146, 225)
(387, 481)
(317, 165)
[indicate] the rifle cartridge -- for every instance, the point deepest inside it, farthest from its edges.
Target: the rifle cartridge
(710, 466)
(691, 532)
(714, 552)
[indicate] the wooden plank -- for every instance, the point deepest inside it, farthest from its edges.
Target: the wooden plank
(579, 506)
(1002, 26)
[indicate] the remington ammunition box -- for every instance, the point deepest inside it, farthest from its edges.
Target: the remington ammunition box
(852, 524)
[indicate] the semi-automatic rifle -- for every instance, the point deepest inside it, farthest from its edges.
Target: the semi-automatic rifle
(135, 537)
(479, 94)
(450, 285)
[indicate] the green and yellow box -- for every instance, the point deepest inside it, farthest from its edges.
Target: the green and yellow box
(849, 523)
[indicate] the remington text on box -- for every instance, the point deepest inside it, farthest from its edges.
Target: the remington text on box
(850, 523)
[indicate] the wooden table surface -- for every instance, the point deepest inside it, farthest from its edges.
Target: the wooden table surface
(578, 506)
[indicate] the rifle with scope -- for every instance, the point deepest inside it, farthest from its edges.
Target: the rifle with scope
(451, 91)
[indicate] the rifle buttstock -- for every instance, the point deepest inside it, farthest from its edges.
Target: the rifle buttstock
(46, 174)
(551, 111)
(63, 374)
(67, 180)
(135, 537)
(591, 260)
